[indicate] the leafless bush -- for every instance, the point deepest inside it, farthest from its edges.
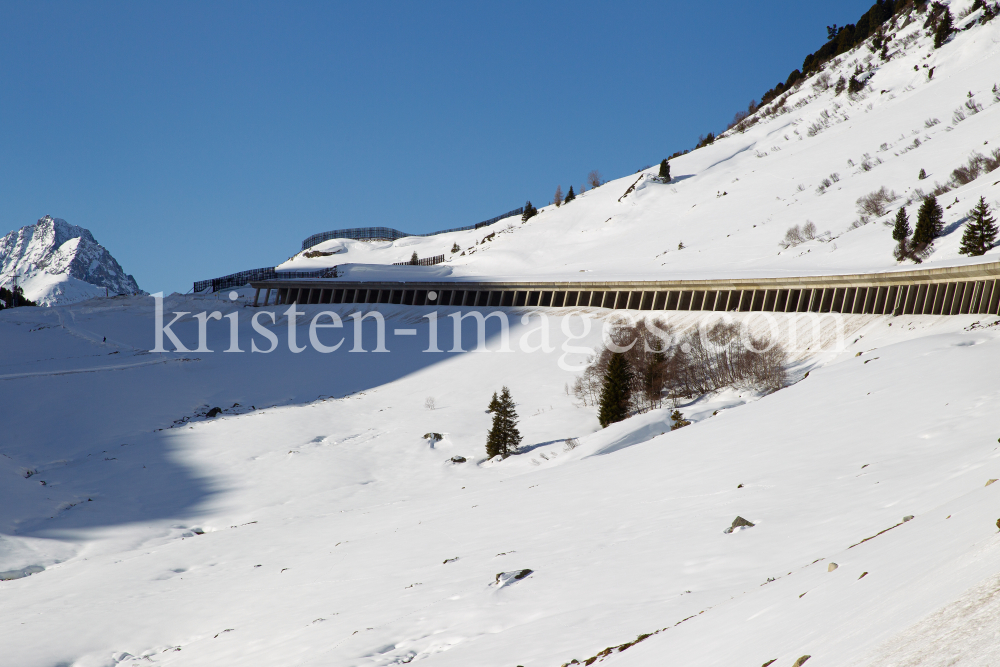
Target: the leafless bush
(796, 235)
(992, 161)
(931, 122)
(876, 203)
(973, 107)
(594, 179)
(665, 365)
(940, 189)
(957, 117)
(429, 402)
(969, 172)
(801, 187)
(822, 82)
(814, 129)
(835, 177)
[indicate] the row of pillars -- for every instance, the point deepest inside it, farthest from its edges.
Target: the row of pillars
(947, 298)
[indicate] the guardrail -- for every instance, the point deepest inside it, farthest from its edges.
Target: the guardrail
(942, 291)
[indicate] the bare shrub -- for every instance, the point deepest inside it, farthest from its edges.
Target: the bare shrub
(931, 122)
(972, 107)
(822, 82)
(666, 365)
(594, 179)
(876, 203)
(969, 172)
(429, 402)
(991, 161)
(957, 117)
(940, 189)
(796, 235)
(835, 177)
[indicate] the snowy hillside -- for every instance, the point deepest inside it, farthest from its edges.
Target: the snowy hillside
(338, 508)
(731, 203)
(56, 262)
(312, 523)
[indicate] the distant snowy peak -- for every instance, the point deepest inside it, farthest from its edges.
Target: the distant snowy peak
(56, 262)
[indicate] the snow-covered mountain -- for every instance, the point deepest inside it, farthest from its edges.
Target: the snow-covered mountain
(56, 262)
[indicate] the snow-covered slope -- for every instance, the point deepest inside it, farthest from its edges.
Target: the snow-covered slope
(56, 262)
(313, 524)
(731, 203)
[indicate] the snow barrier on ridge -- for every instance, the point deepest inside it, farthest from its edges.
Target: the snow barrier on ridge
(941, 291)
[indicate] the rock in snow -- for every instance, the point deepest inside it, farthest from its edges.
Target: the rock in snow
(56, 262)
(739, 522)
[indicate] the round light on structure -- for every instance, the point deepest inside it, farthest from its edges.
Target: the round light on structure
(234, 295)
(432, 296)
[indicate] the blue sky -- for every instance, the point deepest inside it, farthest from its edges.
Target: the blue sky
(195, 139)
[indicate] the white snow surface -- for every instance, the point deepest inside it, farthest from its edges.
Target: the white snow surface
(56, 262)
(311, 523)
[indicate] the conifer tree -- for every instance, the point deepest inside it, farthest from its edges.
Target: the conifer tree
(980, 232)
(570, 196)
(901, 231)
(945, 27)
(665, 171)
(414, 260)
(616, 391)
(929, 223)
(503, 437)
(901, 234)
(529, 212)
(454, 247)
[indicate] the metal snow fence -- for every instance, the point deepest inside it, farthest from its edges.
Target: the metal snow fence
(426, 261)
(242, 278)
(390, 234)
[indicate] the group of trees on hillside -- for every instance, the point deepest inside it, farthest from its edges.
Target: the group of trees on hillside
(648, 362)
(14, 298)
(503, 438)
(980, 233)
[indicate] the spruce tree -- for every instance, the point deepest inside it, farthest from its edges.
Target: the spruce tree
(616, 392)
(414, 260)
(665, 170)
(454, 247)
(901, 234)
(570, 196)
(980, 232)
(929, 223)
(945, 27)
(529, 212)
(504, 437)
(901, 231)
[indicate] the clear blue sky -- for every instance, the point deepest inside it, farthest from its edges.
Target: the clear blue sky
(195, 139)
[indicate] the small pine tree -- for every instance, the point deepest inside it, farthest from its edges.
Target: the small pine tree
(570, 196)
(454, 247)
(945, 27)
(901, 234)
(529, 212)
(557, 198)
(503, 437)
(922, 175)
(414, 260)
(929, 223)
(980, 232)
(840, 86)
(678, 420)
(665, 171)
(901, 231)
(616, 392)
